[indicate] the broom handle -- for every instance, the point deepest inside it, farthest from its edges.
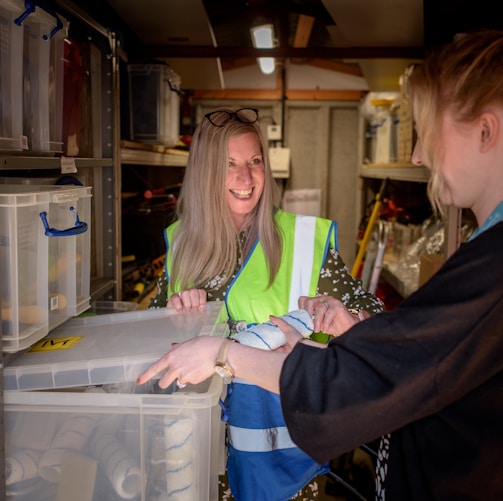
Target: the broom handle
(369, 229)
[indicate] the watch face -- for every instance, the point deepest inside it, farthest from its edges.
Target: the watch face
(224, 373)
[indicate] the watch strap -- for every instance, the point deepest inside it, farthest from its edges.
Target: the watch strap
(221, 359)
(222, 352)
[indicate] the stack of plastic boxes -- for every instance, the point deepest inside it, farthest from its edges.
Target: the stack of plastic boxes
(92, 431)
(44, 259)
(31, 78)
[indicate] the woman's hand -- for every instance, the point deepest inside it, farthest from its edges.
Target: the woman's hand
(329, 314)
(188, 300)
(192, 361)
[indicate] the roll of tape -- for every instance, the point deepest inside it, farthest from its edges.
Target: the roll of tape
(179, 453)
(120, 468)
(21, 465)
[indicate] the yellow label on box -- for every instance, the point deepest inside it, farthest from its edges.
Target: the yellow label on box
(56, 343)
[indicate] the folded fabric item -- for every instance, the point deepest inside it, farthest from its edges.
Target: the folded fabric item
(268, 336)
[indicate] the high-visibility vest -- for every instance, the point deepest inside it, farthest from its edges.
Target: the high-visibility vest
(263, 461)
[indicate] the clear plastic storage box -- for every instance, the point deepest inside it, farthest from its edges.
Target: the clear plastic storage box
(31, 77)
(11, 77)
(43, 51)
(154, 104)
(93, 431)
(24, 255)
(44, 259)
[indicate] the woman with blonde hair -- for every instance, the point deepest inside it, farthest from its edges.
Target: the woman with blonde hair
(232, 243)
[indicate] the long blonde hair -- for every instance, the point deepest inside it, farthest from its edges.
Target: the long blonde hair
(204, 244)
(464, 78)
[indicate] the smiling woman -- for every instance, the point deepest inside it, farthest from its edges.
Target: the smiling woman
(259, 260)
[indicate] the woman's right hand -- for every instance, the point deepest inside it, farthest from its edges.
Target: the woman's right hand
(190, 361)
(188, 300)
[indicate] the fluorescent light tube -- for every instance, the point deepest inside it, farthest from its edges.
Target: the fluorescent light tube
(263, 38)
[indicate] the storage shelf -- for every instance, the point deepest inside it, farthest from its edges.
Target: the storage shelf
(39, 163)
(396, 171)
(144, 157)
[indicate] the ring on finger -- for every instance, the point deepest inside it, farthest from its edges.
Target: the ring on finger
(316, 309)
(180, 384)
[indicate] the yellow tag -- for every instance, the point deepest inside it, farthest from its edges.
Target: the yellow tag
(56, 343)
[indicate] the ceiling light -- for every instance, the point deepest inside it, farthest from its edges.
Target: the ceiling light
(267, 65)
(263, 38)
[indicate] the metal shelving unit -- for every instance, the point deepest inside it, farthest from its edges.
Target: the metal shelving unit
(103, 164)
(105, 174)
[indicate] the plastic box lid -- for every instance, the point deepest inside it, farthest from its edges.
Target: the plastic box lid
(107, 349)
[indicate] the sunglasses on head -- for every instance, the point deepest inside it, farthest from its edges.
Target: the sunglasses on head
(244, 115)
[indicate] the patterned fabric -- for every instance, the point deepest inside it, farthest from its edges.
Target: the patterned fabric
(382, 467)
(309, 493)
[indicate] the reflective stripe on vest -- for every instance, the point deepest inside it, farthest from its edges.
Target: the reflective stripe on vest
(264, 440)
(305, 228)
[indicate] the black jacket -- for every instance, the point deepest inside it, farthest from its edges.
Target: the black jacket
(430, 372)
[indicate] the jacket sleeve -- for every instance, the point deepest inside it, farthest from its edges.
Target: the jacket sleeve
(397, 367)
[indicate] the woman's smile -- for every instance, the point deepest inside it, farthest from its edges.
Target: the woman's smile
(242, 194)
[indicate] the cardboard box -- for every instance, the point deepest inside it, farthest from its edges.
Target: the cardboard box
(429, 264)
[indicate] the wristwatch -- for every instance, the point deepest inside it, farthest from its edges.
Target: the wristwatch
(222, 367)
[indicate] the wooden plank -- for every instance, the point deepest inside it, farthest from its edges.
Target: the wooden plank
(135, 145)
(275, 94)
(324, 95)
(302, 34)
(174, 151)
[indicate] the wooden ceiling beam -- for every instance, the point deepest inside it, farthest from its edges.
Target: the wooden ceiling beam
(276, 94)
(185, 51)
(325, 64)
(302, 34)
